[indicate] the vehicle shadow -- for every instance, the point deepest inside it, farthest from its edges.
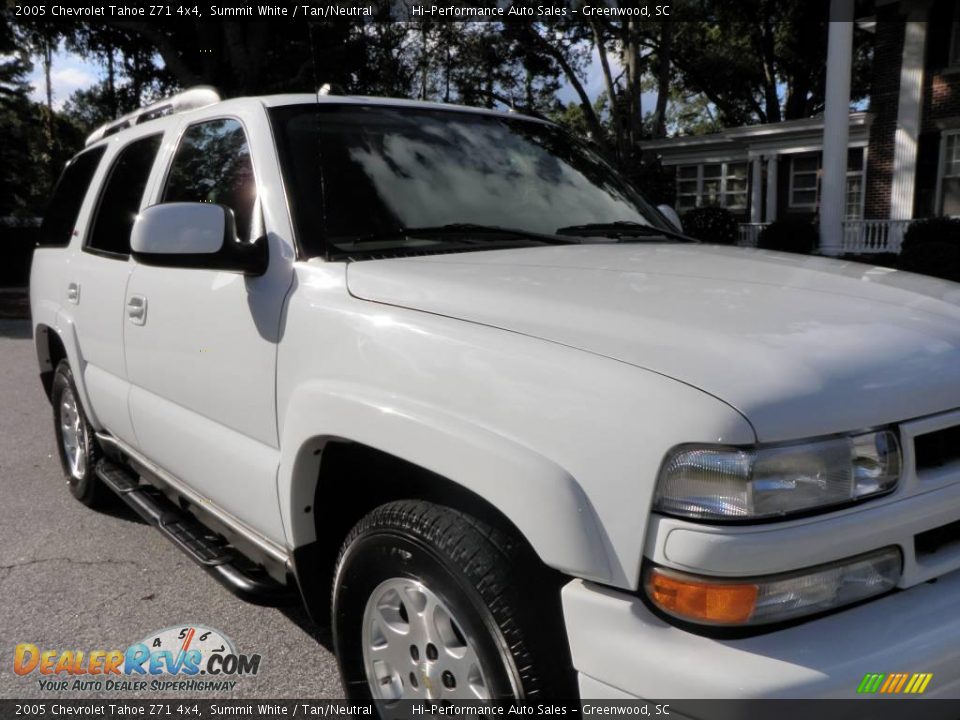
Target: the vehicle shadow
(297, 614)
(15, 329)
(117, 508)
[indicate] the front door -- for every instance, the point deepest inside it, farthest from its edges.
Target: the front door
(201, 345)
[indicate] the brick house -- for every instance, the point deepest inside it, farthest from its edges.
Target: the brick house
(902, 157)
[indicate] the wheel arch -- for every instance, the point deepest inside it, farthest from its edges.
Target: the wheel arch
(56, 341)
(50, 351)
(375, 449)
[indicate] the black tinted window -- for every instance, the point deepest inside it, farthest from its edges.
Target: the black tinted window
(61, 217)
(213, 165)
(121, 196)
(355, 171)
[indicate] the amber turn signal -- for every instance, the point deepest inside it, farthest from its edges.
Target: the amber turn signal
(773, 598)
(692, 599)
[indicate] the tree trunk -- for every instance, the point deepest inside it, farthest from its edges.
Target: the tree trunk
(593, 122)
(47, 51)
(663, 79)
(634, 91)
(616, 118)
(768, 57)
(137, 79)
(424, 60)
(111, 81)
(797, 90)
(446, 73)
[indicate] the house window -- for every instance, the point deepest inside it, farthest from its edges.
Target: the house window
(949, 181)
(688, 186)
(805, 183)
(853, 207)
(722, 184)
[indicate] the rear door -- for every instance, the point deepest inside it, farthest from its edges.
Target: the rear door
(97, 281)
(201, 344)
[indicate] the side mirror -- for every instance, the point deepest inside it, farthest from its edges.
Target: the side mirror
(670, 214)
(194, 235)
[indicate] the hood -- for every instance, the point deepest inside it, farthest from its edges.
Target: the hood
(800, 345)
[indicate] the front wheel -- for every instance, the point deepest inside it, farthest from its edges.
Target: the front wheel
(433, 604)
(77, 446)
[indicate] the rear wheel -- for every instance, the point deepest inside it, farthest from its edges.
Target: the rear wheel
(76, 443)
(433, 604)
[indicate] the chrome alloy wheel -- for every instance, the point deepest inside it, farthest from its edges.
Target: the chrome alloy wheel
(73, 435)
(414, 648)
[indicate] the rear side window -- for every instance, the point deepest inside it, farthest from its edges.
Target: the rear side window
(121, 197)
(61, 216)
(213, 165)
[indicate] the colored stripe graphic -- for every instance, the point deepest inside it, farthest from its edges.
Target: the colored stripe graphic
(894, 683)
(870, 683)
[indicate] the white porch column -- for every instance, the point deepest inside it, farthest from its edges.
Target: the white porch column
(908, 119)
(771, 211)
(756, 188)
(836, 128)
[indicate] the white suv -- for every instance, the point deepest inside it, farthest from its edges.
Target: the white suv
(444, 366)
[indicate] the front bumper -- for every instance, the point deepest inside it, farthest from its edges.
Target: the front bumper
(620, 648)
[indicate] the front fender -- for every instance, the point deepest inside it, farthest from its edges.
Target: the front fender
(539, 497)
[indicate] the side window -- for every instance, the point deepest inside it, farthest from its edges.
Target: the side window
(212, 164)
(61, 216)
(121, 197)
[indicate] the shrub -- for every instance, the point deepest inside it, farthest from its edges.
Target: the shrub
(796, 236)
(711, 224)
(932, 230)
(932, 257)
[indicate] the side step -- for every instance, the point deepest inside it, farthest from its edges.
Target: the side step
(204, 547)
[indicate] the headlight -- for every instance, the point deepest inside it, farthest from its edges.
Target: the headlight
(758, 601)
(721, 483)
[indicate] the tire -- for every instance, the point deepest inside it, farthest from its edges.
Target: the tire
(431, 603)
(76, 444)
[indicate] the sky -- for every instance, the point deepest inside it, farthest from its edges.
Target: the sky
(70, 72)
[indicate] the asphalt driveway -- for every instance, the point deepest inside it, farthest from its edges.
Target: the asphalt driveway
(75, 579)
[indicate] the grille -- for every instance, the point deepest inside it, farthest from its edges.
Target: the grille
(937, 449)
(933, 541)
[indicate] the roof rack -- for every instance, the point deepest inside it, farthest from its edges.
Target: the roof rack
(192, 99)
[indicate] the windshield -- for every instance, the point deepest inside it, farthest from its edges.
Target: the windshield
(367, 177)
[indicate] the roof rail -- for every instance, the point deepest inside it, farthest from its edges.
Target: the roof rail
(329, 89)
(191, 99)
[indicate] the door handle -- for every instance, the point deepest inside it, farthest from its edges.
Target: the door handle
(73, 293)
(137, 309)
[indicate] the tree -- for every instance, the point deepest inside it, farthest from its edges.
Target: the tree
(14, 118)
(762, 60)
(740, 63)
(36, 141)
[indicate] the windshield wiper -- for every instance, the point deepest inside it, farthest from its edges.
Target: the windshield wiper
(462, 229)
(620, 228)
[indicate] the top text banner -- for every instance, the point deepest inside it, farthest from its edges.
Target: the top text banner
(160, 12)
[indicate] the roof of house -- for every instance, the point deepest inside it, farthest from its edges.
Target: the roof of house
(748, 141)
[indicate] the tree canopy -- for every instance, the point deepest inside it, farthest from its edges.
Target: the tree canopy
(747, 62)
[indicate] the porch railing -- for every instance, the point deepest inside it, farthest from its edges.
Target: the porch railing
(749, 233)
(860, 237)
(873, 236)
